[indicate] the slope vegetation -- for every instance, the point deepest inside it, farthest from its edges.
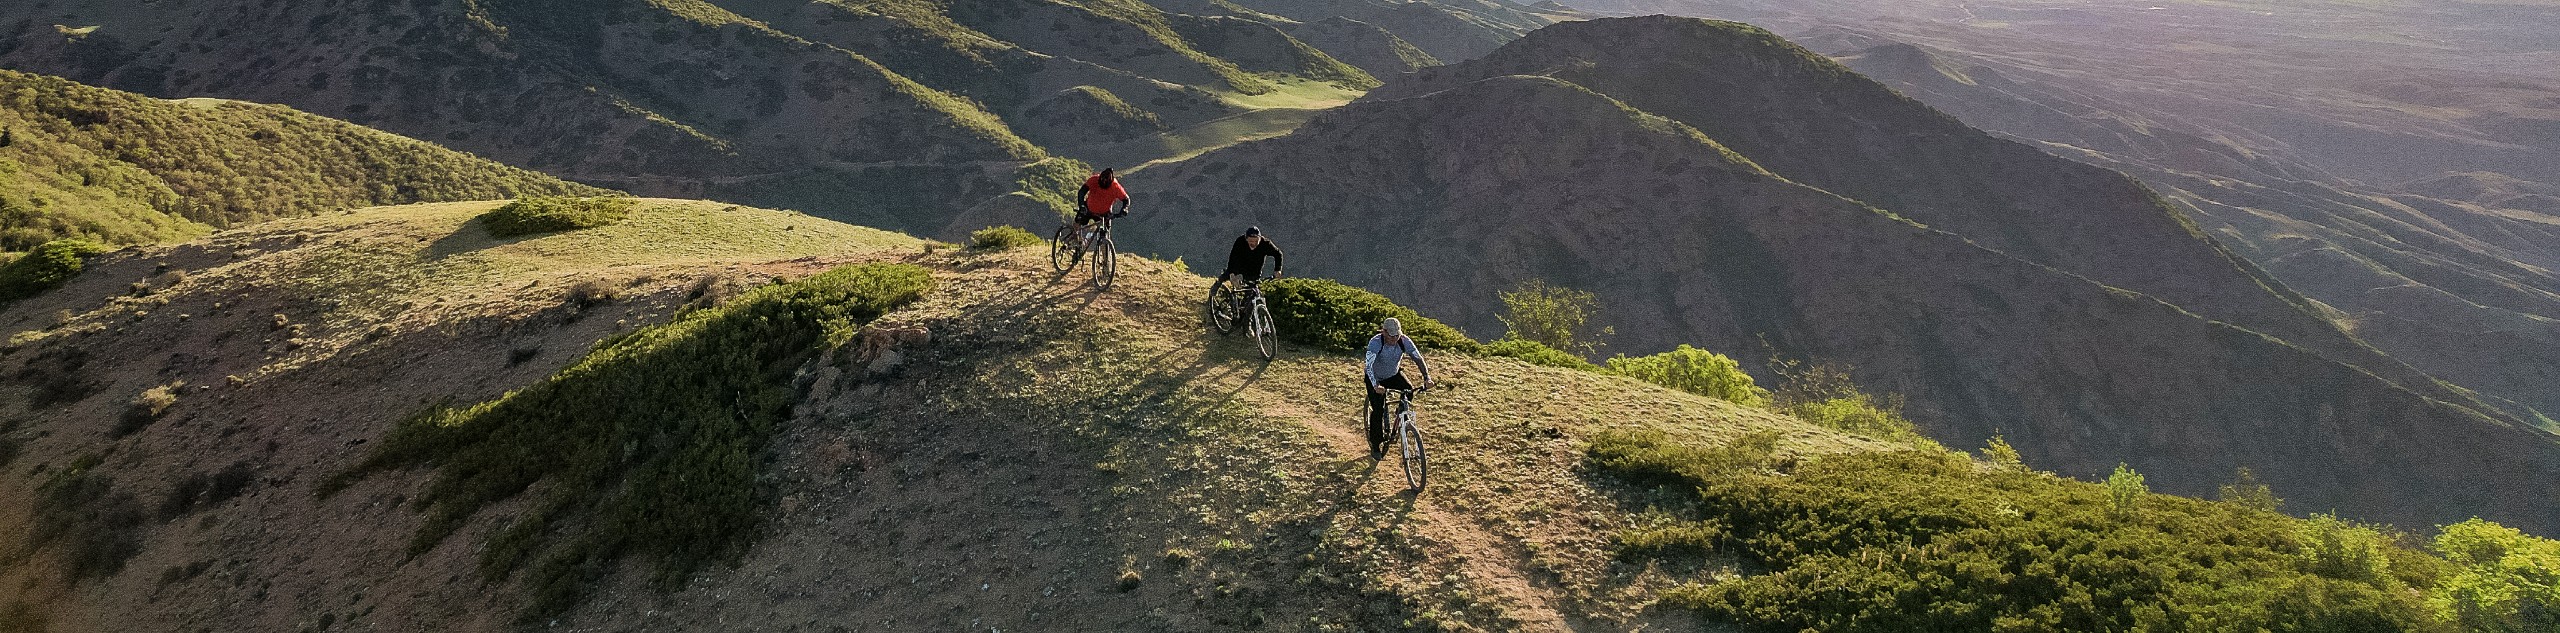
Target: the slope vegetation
(121, 168)
(1486, 184)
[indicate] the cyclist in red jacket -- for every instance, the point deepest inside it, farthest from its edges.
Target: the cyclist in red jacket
(1096, 199)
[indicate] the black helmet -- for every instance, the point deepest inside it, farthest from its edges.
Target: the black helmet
(1251, 231)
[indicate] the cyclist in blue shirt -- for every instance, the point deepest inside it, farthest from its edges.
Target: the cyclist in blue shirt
(1383, 369)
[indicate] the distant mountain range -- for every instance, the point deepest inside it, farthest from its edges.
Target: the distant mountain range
(1717, 185)
(2391, 160)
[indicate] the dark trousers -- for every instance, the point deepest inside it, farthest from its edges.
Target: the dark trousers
(1378, 407)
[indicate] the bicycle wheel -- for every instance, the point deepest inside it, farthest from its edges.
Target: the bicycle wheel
(1416, 468)
(1106, 263)
(1263, 335)
(1061, 255)
(1222, 307)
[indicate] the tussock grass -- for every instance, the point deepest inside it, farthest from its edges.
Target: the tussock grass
(651, 443)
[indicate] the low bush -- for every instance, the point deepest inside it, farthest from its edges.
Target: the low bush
(1536, 353)
(42, 269)
(1327, 314)
(2501, 579)
(651, 443)
(146, 408)
(1922, 540)
(1695, 371)
(1860, 414)
(528, 216)
(1002, 238)
(97, 526)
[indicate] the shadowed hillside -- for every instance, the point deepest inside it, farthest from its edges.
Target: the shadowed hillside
(121, 168)
(1444, 197)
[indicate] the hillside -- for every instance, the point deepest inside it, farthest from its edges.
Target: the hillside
(2450, 274)
(1486, 184)
(1085, 460)
(2307, 137)
(121, 168)
(894, 113)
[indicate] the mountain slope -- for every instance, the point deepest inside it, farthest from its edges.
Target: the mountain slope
(122, 168)
(2453, 276)
(1444, 198)
(1817, 123)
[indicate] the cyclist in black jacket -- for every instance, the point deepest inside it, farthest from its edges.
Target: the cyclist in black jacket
(1244, 260)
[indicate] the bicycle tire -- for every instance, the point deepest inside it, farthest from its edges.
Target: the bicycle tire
(1059, 258)
(1264, 336)
(1222, 303)
(1417, 466)
(1106, 263)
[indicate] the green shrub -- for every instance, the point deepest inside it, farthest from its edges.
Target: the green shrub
(1554, 316)
(1002, 238)
(1923, 541)
(2002, 455)
(42, 269)
(1861, 414)
(1695, 371)
(1327, 314)
(1535, 353)
(2503, 580)
(651, 443)
(2125, 489)
(2338, 548)
(2246, 491)
(528, 216)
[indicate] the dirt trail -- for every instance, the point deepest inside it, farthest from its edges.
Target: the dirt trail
(1494, 563)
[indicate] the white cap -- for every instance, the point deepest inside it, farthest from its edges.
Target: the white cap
(1392, 326)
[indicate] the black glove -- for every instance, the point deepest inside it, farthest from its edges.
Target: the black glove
(1119, 214)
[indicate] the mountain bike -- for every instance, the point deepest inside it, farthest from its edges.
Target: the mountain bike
(1226, 304)
(1408, 439)
(1064, 253)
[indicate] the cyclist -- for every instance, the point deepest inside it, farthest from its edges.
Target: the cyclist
(1244, 261)
(1383, 369)
(1095, 200)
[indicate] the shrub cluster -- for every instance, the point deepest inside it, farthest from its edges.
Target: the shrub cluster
(1002, 238)
(651, 442)
(1536, 353)
(1695, 371)
(528, 216)
(44, 268)
(1327, 314)
(1923, 541)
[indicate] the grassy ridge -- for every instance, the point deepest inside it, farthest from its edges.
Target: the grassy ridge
(121, 168)
(652, 442)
